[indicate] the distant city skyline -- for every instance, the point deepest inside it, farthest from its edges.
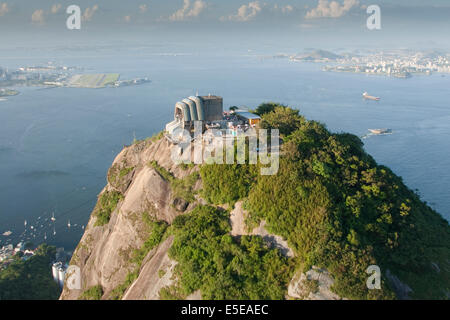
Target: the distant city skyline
(325, 23)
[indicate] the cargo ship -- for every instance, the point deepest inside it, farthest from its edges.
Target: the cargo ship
(369, 97)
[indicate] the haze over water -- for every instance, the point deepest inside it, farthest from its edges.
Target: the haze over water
(57, 144)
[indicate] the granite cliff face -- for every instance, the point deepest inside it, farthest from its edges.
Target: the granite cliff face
(103, 253)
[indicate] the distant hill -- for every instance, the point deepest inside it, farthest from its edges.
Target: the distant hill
(316, 55)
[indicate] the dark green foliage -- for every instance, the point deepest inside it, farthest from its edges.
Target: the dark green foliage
(93, 293)
(183, 188)
(186, 166)
(30, 279)
(223, 183)
(340, 210)
(284, 119)
(267, 107)
(107, 203)
(223, 267)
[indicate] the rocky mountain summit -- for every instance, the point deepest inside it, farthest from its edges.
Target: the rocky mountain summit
(167, 231)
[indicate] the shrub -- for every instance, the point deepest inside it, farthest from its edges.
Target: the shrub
(93, 293)
(106, 204)
(223, 267)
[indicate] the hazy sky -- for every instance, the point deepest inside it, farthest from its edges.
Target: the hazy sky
(322, 23)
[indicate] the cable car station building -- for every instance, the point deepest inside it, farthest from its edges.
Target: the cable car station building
(207, 109)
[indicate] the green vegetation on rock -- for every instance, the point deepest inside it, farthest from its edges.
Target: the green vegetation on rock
(340, 210)
(224, 183)
(156, 231)
(107, 203)
(221, 266)
(117, 177)
(337, 208)
(181, 188)
(163, 172)
(93, 293)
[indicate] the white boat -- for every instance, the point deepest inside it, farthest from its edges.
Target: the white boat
(380, 131)
(369, 97)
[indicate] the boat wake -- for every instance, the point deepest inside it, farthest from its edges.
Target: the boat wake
(375, 134)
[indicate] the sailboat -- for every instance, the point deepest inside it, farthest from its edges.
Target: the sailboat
(68, 224)
(53, 217)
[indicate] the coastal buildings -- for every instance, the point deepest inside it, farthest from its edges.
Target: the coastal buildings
(8, 252)
(394, 64)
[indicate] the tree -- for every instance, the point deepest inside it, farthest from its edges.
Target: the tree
(267, 107)
(30, 279)
(284, 119)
